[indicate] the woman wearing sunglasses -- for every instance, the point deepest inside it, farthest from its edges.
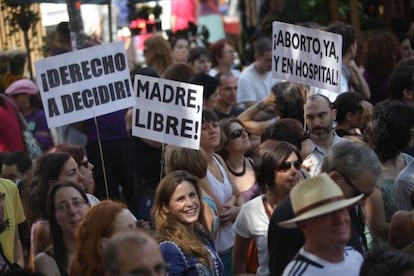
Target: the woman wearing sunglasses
(236, 143)
(277, 166)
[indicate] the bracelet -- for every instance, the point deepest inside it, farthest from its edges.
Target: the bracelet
(261, 105)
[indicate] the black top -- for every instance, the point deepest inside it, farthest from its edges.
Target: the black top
(284, 244)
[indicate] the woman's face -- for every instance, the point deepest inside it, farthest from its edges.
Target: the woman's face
(227, 55)
(184, 203)
(288, 174)
(70, 172)
(70, 208)
(202, 65)
(405, 49)
(86, 170)
(238, 138)
(181, 51)
(210, 135)
(124, 221)
(211, 102)
(22, 100)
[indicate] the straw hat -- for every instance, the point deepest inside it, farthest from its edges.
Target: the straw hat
(315, 197)
(22, 86)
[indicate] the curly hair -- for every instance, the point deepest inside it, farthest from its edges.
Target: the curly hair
(389, 131)
(46, 171)
(290, 101)
(380, 52)
(171, 228)
(97, 224)
(268, 156)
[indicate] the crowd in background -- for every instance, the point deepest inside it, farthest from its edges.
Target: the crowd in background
(288, 179)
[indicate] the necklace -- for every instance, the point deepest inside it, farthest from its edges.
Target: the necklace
(238, 173)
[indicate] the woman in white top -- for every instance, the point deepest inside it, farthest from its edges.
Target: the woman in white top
(277, 167)
(218, 180)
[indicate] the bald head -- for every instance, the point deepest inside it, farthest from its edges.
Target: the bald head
(132, 252)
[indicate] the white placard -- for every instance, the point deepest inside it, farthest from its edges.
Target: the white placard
(83, 84)
(167, 111)
(306, 55)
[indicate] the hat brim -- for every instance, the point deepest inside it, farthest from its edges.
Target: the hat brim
(321, 210)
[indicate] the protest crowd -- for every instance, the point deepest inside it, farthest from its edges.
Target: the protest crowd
(266, 175)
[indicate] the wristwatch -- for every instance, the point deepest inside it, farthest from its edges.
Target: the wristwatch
(261, 105)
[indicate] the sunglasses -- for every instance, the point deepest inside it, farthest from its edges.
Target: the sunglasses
(237, 133)
(285, 166)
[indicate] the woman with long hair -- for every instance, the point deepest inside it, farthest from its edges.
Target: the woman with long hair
(235, 144)
(49, 169)
(389, 133)
(101, 222)
(181, 227)
(67, 204)
(223, 189)
(277, 166)
(78, 153)
(195, 162)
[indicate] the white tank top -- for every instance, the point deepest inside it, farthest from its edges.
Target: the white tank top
(223, 191)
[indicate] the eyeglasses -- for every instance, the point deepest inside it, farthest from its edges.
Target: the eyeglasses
(75, 204)
(237, 133)
(285, 166)
(357, 191)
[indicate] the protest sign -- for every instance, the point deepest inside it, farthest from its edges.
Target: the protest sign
(167, 111)
(84, 84)
(306, 55)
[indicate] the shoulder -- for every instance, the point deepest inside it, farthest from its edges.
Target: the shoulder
(170, 248)
(45, 264)
(352, 255)
(302, 264)
(8, 185)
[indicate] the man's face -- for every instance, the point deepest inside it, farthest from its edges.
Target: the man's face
(228, 90)
(264, 62)
(145, 260)
(12, 173)
(329, 230)
(362, 184)
(319, 118)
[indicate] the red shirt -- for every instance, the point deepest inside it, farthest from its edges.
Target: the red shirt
(10, 134)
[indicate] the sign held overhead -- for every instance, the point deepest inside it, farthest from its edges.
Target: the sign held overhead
(84, 84)
(167, 111)
(306, 55)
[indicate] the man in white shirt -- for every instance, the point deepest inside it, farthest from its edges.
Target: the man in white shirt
(321, 214)
(319, 117)
(256, 80)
